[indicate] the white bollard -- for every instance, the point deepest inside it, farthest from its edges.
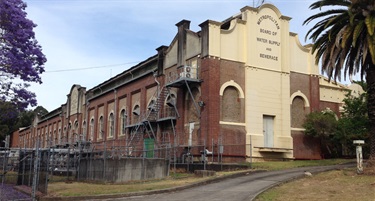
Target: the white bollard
(359, 144)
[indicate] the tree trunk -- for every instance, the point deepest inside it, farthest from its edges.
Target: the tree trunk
(370, 79)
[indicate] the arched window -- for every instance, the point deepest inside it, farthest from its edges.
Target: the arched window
(101, 127)
(54, 137)
(76, 132)
(231, 105)
(169, 110)
(84, 130)
(191, 109)
(69, 133)
(171, 100)
(59, 136)
(136, 113)
(136, 110)
(64, 136)
(111, 125)
(151, 105)
(50, 139)
(298, 112)
(123, 119)
(92, 123)
(46, 139)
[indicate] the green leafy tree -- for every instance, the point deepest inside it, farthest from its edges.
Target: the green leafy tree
(323, 125)
(11, 119)
(354, 122)
(8, 119)
(344, 42)
(26, 118)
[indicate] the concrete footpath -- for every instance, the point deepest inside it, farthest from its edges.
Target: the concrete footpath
(242, 186)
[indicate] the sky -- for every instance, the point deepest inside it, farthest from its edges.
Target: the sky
(87, 42)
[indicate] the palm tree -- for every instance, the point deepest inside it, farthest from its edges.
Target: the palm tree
(344, 42)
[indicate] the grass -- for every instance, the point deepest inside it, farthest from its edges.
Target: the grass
(333, 185)
(60, 188)
(11, 177)
(82, 189)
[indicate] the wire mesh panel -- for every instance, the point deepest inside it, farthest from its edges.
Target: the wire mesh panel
(33, 169)
(9, 161)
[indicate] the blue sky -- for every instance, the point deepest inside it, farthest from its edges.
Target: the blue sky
(89, 41)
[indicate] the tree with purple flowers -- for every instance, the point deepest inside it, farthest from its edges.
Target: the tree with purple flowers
(21, 57)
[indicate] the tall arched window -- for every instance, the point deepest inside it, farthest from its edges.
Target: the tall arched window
(136, 113)
(59, 136)
(76, 132)
(64, 136)
(69, 133)
(231, 105)
(111, 125)
(123, 119)
(92, 123)
(191, 109)
(298, 112)
(84, 130)
(54, 137)
(45, 141)
(171, 103)
(50, 139)
(101, 127)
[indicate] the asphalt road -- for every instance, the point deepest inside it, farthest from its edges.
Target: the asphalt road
(245, 187)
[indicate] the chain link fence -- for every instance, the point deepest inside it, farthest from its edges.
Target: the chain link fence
(31, 169)
(10, 163)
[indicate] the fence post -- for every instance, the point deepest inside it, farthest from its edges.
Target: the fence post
(47, 168)
(68, 163)
(79, 160)
(174, 155)
(35, 177)
(53, 162)
(212, 149)
(204, 154)
(104, 158)
(31, 166)
(251, 152)
(90, 164)
(23, 166)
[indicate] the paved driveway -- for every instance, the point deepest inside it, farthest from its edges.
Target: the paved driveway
(245, 187)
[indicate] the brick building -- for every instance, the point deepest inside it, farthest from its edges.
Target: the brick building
(240, 88)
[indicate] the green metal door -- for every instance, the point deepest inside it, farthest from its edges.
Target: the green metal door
(149, 145)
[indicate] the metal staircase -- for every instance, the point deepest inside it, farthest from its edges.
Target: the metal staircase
(144, 126)
(154, 108)
(136, 134)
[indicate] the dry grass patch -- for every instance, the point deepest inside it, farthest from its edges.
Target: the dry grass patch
(83, 189)
(334, 185)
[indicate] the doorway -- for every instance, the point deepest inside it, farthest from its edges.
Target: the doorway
(268, 123)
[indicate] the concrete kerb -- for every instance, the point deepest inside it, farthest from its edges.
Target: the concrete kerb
(167, 190)
(326, 169)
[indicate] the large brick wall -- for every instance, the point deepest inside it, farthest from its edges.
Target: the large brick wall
(305, 147)
(210, 116)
